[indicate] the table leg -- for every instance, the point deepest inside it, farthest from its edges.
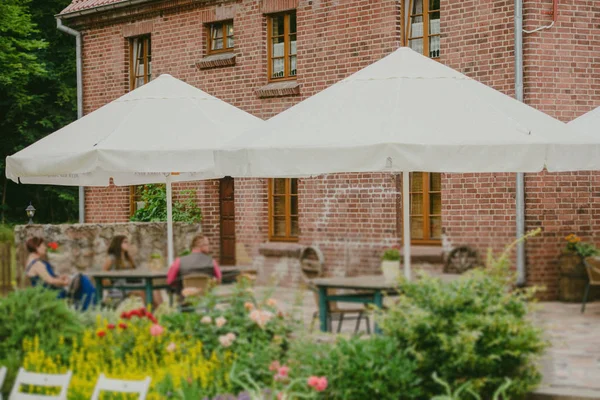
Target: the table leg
(378, 301)
(99, 290)
(149, 292)
(323, 309)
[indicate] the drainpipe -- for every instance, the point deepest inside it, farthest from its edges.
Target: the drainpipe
(520, 189)
(77, 35)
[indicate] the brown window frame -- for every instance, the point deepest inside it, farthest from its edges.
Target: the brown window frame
(426, 35)
(146, 57)
(209, 41)
(426, 215)
(286, 45)
(288, 208)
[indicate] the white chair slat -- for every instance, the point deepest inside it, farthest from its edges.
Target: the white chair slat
(105, 384)
(37, 379)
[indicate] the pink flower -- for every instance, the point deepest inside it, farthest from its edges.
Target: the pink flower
(248, 306)
(272, 302)
(220, 322)
(319, 384)
(280, 396)
(282, 373)
(206, 320)
(322, 385)
(313, 381)
(274, 366)
(261, 317)
(156, 330)
(171, 347)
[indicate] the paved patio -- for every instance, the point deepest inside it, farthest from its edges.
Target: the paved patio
(571, 365)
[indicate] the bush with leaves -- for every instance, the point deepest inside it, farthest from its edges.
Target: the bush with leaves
(357, 368)
(27, 313)
(155, 208)
(475, 328)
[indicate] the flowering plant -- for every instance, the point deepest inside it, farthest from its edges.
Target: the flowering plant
(392, 254)
(575, 245)
(52, 247)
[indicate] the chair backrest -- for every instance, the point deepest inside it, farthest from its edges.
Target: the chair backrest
(593, 269)
(197, 281)
(2, 377)
(105, 384)
(36, 379)
(333, 305)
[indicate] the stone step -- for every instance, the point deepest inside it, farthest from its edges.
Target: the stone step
(564, 394)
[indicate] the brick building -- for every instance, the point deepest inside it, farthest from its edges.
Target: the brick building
(267, 55)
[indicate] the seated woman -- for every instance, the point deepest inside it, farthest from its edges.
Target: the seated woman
(120, 259)
(40, 272)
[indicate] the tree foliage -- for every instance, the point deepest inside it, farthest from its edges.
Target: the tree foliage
(37, 96)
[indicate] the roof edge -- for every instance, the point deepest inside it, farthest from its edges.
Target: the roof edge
(99, 9)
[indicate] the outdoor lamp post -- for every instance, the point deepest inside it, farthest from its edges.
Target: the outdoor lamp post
(30, 210)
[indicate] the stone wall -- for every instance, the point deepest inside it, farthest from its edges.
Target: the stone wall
(84, 246)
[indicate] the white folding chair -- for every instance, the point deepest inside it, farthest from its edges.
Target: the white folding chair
(2, 377)
(36, 379)
(105, 384)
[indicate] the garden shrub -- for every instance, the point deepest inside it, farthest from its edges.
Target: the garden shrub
(155, 210)
(358, 368)
(472, 329)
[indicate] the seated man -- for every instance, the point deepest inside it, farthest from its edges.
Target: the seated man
(198, 262)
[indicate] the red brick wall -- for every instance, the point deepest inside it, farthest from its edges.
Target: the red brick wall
(346, 216)
(562, 78)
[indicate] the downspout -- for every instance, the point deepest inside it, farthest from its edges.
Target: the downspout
(77, 35)
(520, 189)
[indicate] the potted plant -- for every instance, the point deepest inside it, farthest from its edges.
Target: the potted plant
(390, 263)
(156, 262)
(573, 276)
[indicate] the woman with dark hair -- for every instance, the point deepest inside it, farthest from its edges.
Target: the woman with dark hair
(119, 258)
(40, 272)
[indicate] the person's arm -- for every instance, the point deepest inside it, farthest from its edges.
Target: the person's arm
(218, 274)
(39, 270)
(173, 272)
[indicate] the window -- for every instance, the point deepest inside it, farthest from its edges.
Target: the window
(423, 27)
(140, 73)
(283, 209)
(220, 37)
(282, 46)
(140, 61)
(425, 207)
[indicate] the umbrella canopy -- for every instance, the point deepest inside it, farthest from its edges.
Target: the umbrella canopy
(588, 123)
(163, 127)
(407, 112)
(162, 132)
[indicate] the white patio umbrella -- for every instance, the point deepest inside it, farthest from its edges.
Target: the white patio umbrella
(588, 123)
(163, 132)
(406, 113)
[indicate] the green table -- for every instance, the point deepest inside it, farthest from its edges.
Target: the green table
(147, 277)
(370, 290)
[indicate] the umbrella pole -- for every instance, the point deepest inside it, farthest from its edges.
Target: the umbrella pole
(406, 222)
(169, 221)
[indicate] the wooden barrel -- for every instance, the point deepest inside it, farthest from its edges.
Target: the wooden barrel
(573, 278)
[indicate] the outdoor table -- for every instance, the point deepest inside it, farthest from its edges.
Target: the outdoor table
(370, 287)
(147, 277)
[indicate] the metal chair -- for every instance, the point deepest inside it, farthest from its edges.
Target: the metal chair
(37, 379)
(340, 314)
(592, 266)
(105, 384)
(2, 377)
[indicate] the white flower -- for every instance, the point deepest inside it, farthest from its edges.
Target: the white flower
(171, 347)
(227, 340)
(206, 320)
(220, 322)
(261, 317)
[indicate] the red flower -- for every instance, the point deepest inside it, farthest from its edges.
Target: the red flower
(110, 326)
(143, 312)
(53, 245)
(153, 319)
(101, 333)
(122, 326)
(125, 315)
(134, 313)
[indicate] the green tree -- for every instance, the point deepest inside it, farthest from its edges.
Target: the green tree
(37, 97)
